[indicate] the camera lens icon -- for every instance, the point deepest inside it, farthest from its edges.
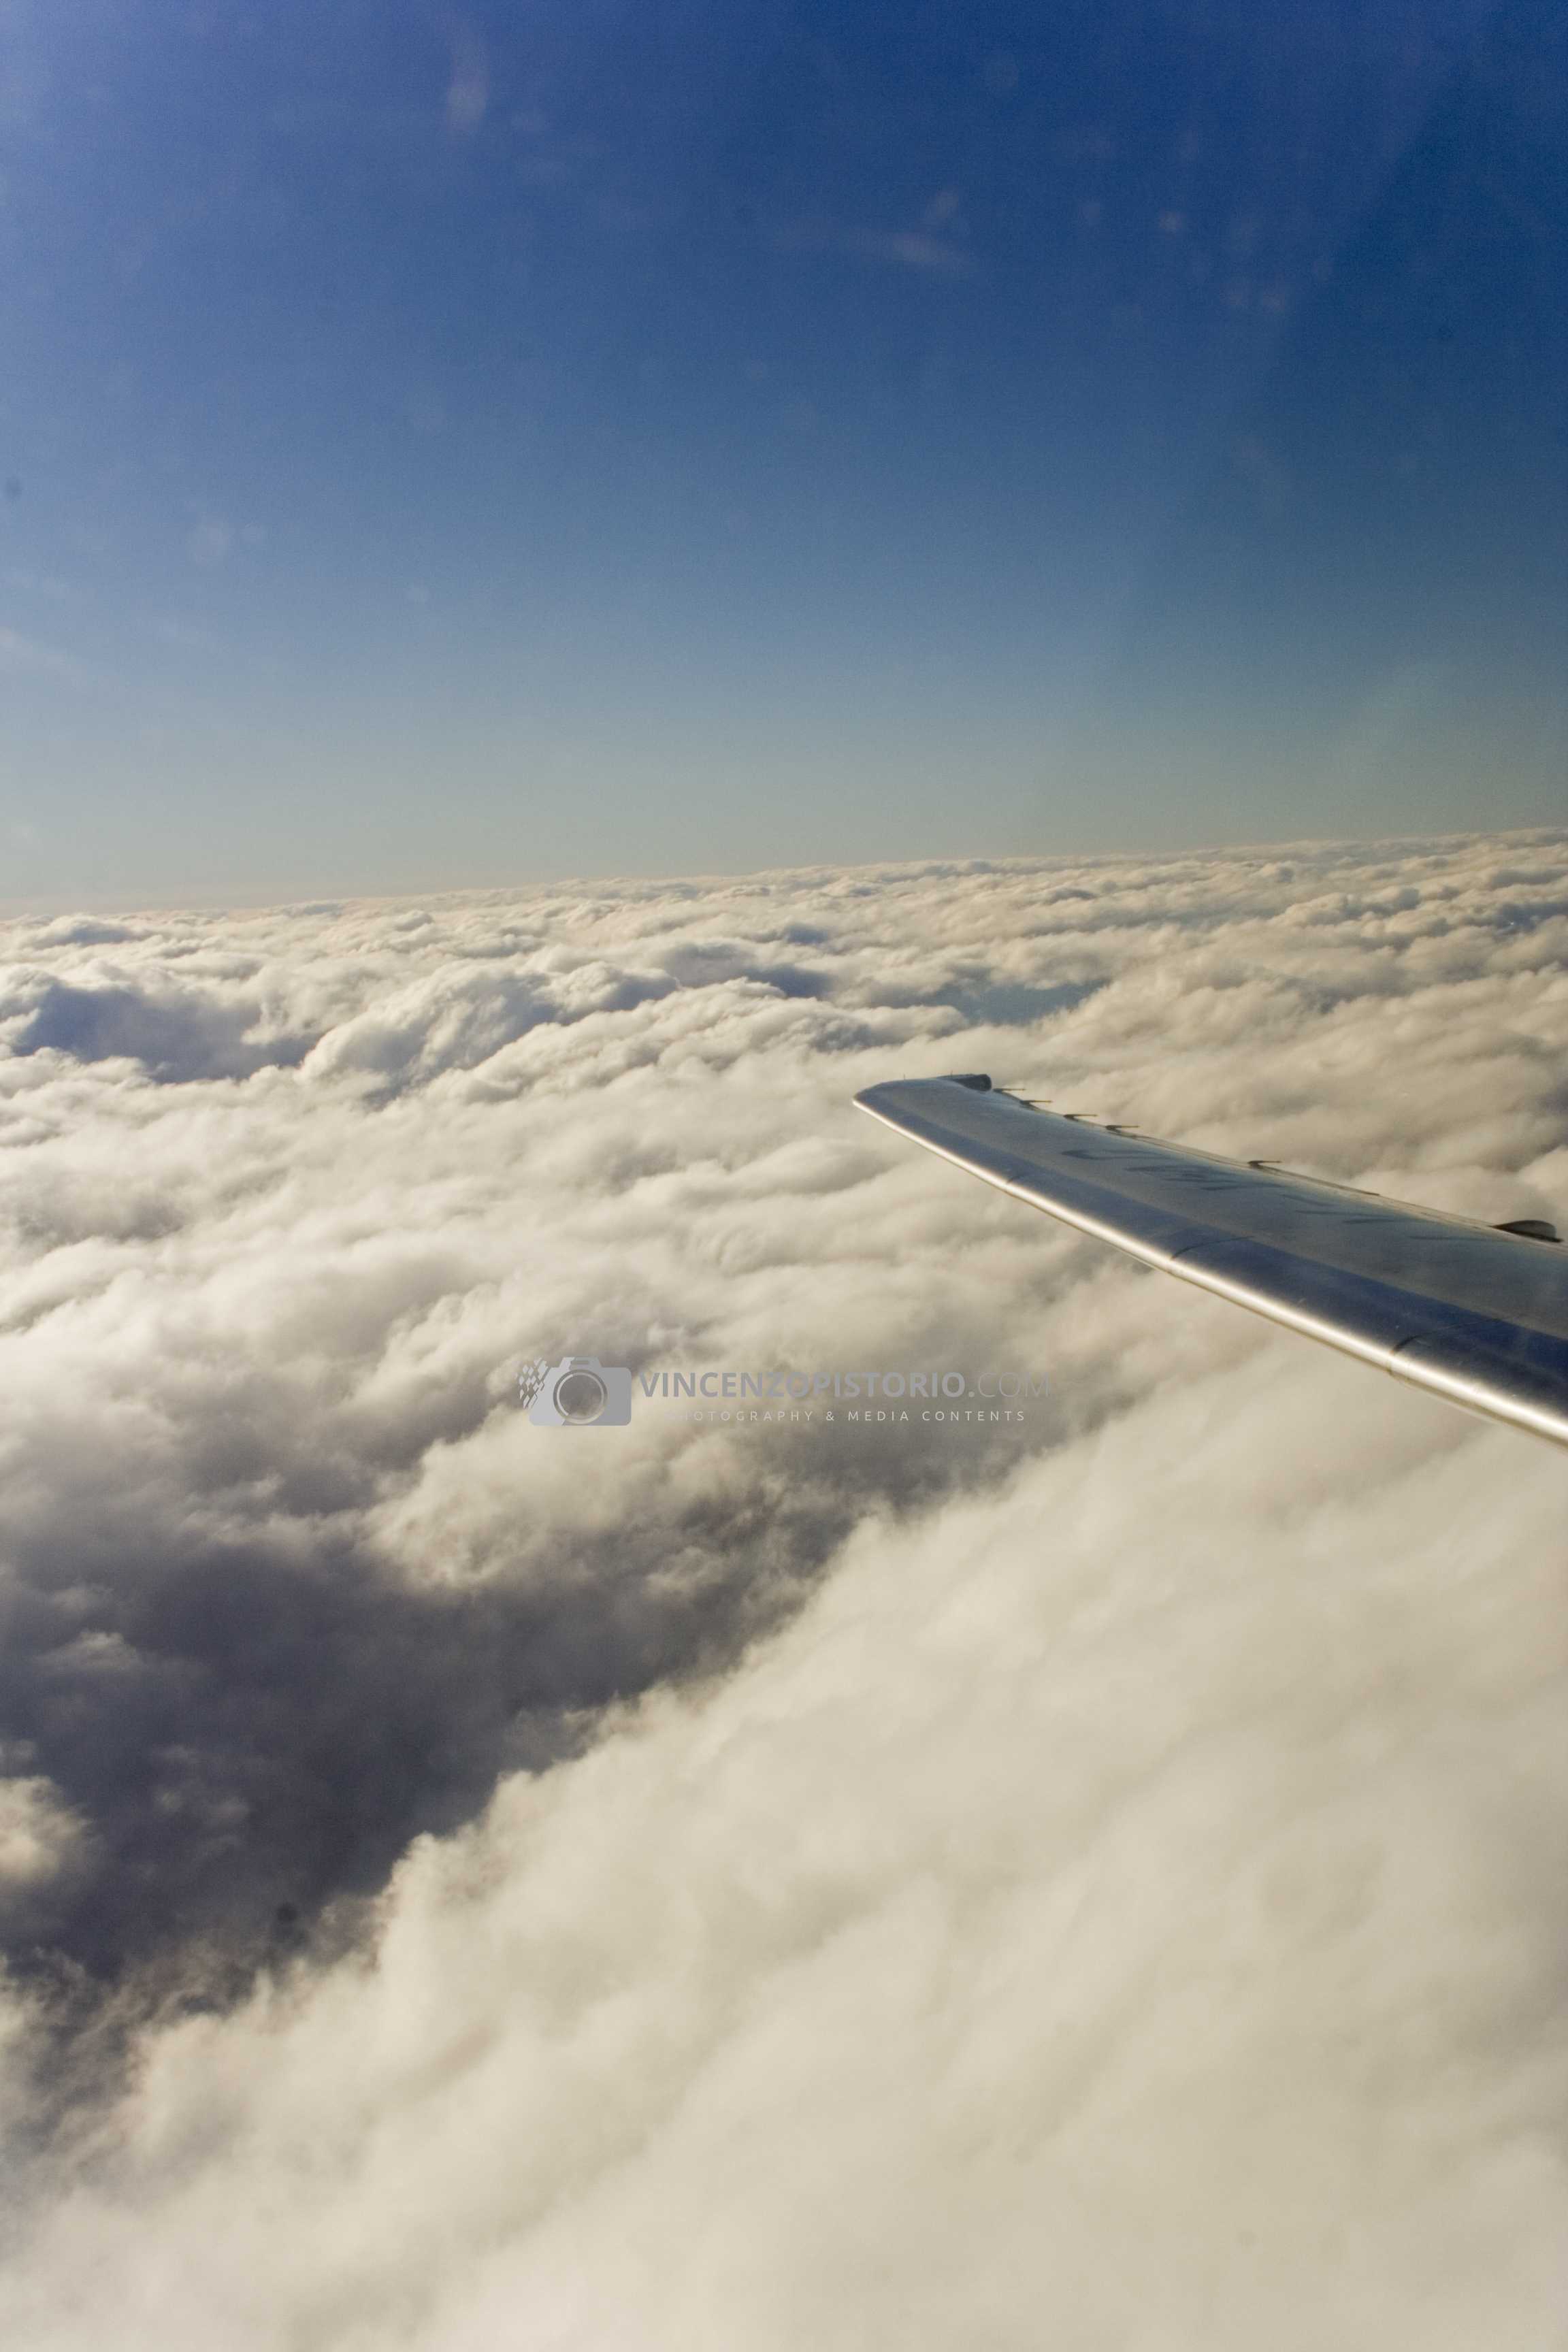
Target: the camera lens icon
(580, 1396)
(580, 1393)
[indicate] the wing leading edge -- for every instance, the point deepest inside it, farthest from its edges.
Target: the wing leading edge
(1476, 1313)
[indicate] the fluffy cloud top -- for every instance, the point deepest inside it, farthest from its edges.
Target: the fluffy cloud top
(1086, 1878)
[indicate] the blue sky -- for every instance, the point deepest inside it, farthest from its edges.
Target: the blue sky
(454, 445)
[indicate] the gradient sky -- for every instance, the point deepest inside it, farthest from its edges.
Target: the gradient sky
(449, 445)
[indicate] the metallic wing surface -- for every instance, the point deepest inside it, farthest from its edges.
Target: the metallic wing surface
(1477, 1314)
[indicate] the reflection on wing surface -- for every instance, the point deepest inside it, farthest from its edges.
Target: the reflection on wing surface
(1477, 1313)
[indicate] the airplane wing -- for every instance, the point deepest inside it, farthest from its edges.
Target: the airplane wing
(1477, 1314)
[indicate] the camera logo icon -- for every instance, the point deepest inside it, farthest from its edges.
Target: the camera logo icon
(577, 1393)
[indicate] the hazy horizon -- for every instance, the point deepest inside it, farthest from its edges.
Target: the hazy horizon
(1200, 854)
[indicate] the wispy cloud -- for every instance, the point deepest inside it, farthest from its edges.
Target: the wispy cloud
(917, 249)
(468, 90)
(26, 656)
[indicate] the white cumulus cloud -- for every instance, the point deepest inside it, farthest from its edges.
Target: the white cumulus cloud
(1091, 1879)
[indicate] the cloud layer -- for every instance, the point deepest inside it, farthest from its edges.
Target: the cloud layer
(705, 1884)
